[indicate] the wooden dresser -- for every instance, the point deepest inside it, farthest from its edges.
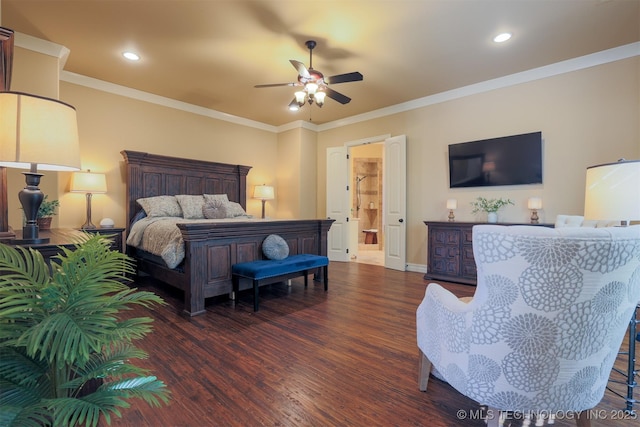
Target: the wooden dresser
(450, 251)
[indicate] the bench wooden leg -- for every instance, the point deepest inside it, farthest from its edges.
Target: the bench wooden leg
(325, 270)
(256, 295)
(306, 280)
(235, 285)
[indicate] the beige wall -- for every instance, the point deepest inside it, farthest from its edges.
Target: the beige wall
(108, 124)
(296, 174)
(586, 117)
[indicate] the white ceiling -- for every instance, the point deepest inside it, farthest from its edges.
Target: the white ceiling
(211, 53)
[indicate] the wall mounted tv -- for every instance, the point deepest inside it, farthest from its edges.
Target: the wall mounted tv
(508, 160)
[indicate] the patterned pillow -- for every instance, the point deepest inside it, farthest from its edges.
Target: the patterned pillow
(275, 247)
(191, 206)
(234, 210)
(161, 206)
(214, 210)
(208, 198)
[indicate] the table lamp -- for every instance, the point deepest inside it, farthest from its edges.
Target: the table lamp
(534, 203)
(89, 183)
(264, 193)
(612, 192)
(452, 204)
(36, 132)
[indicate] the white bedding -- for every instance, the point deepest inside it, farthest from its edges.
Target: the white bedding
(160, 236)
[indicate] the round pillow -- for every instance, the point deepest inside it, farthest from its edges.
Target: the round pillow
(275, 247)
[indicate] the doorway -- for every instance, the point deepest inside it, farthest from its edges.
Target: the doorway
(366, 181)
(343, 234)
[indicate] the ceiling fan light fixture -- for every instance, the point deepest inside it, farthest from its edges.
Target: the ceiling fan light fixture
(319, 98)
(300, 97)
(311, 88)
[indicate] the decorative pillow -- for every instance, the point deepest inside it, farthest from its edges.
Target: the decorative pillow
(191, 206)
(214, 210)
(234, 209)
(161, 206)
(208, 198)
(275, 247)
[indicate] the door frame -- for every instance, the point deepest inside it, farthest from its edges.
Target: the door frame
(364, 141)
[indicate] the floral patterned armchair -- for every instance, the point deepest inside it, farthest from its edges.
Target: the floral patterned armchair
(546, 322)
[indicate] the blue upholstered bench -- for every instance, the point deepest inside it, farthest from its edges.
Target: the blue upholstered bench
(266, 271)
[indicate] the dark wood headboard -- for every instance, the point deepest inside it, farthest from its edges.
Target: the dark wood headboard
(151, 175)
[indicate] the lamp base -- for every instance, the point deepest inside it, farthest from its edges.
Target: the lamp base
(88, 225)
(534, 217)
(30, 198)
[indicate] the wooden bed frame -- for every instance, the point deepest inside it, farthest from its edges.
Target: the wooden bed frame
(211, 249)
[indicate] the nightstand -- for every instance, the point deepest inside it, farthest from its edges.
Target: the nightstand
(114, 233)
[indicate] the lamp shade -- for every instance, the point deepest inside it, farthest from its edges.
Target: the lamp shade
(452, 204)
(263, 192)
(38, 130)
(88, 182)
(613, 191)
(534, 203)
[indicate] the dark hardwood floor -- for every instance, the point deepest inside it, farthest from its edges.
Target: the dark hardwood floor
(346, 357)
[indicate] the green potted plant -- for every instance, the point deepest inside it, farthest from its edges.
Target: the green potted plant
(45, 213)
(65, 348)
(490, 206)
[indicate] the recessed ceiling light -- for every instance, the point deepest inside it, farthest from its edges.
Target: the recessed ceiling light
(131, 56)
(502, 37)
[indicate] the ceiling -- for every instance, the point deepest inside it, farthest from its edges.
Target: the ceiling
(211, 53)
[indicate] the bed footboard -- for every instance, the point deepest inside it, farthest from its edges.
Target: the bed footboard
(212, 249)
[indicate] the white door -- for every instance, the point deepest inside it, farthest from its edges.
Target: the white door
(338, 203)
(395, 203)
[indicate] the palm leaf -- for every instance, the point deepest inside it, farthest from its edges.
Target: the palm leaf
(147, 388)
(24, 416)
(111, 362)
(86, 410)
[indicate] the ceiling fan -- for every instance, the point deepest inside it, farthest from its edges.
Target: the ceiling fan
(314, 85)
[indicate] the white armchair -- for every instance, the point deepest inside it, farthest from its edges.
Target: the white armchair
(546, 322)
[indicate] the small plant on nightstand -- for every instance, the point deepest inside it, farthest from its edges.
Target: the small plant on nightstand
(46, 211)
(48, 208)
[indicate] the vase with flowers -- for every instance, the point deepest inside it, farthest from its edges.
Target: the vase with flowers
(490, 206)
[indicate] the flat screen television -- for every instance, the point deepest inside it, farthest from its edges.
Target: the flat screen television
(508, 160)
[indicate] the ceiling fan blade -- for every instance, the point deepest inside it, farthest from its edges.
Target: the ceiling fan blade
(302, 70)
(277, 84)
(337, 96)
(344, 78)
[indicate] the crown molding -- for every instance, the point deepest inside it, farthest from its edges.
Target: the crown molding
(568, 66)
(139, 95)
